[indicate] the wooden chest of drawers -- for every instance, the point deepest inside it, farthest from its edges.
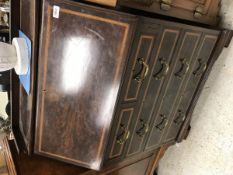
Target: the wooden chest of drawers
(202, 11)
(109, 87)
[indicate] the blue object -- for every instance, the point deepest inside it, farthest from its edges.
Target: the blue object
(25, 79)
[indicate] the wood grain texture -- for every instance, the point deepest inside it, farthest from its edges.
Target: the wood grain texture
(26, 165)
(7, 156)
(104, 2)
(183, 9)
(83, 57)
(24, 105)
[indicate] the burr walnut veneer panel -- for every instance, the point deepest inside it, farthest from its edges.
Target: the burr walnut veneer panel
(83, 53)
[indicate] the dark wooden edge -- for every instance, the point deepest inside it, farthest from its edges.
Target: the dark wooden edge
(223, 41)
(8, 157)
(14, 17)
(153, 156)
(14, 161)
(14, 86)
(34, 75)
(21, 143)
(229, 36)
(117, 166)
(156, 158)
(14, 82)
(14, 25)
(31, 100)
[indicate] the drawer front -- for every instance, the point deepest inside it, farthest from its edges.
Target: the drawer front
(200, 65)
(167, 101)
(160, 68)
(135, 73)
(121, 132)
(80, 72)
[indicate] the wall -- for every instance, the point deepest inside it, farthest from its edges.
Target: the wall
(3, 103)
(209, 147)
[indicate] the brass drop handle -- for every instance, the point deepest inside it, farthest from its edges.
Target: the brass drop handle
(123, 136)
(184, 68)
(143, 129)
(199, 12)
(201, 68)
(165, 4)
(163, 71)
(180, 118)
(163, 123)
(140, 77)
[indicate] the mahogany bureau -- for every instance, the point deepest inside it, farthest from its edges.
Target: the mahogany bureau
(110, 90)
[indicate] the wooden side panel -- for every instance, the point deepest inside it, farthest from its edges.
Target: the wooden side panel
(83, 54)
(38, 165)
(143, 51)
(24, 107)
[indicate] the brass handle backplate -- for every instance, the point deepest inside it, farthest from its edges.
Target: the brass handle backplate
(143, 129)
(165, 4)
(140, 77)
(184, 68)
(163, 71)
(199, 12)
(163, 123)
(201, 68)
(180, 118)
(123, 136)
